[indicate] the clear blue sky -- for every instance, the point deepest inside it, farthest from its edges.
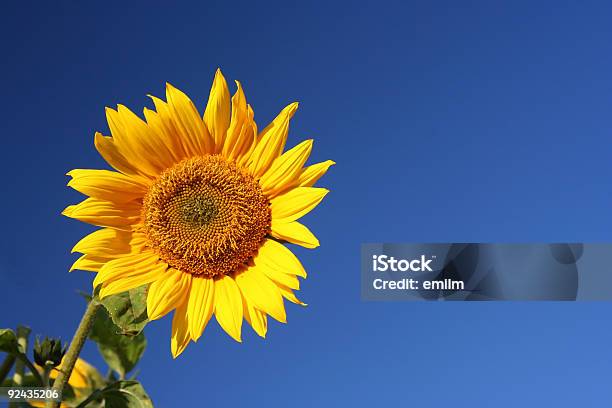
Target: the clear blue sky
(449, 121)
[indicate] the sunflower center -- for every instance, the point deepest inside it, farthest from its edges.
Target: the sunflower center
(205, 216)
(198, 211)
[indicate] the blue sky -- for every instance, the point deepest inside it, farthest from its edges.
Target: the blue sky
(449, 121)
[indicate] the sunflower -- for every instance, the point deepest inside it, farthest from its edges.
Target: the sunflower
(199, 208)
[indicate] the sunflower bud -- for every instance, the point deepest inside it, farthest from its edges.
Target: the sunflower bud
(48, 353)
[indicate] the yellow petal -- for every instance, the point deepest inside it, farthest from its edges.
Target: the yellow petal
(262, 292)
(312, 173)
(201, 305)
(279, 264)
(105, 213)
(110, 152)
(291, 281)
(161, 122)
(133, 152)
(228, 306)
(296, 203)
(295, 233)
(289, 295)
(167, 293)
(272, 254)
(137, 142)
(89, 263)
(271, 141)
(288, 110)
(248, 139)
(129, 266)
(217, 113)
(111, 243)
(256, 318)
(180, 331)
(188, 122)
(107, 185)
(286, 169)
(242, 130)
(82, 374)
(124, 284)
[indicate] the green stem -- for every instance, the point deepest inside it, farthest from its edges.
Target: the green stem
(21, 357)
(6, 367)
(45, 376)
(22, 341)
(76, 345)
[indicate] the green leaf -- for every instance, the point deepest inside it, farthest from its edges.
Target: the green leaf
(128, 310)
(120, 352)
(128, 394)
(8, 341)
(122, 394)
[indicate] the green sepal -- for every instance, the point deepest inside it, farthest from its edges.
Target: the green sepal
(48, 352)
